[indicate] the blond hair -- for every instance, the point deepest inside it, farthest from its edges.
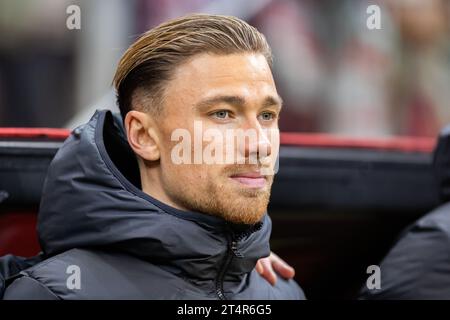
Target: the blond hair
(150, 61)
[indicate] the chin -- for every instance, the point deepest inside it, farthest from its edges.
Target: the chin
(249, 205)
(246, 219)
(245, 210)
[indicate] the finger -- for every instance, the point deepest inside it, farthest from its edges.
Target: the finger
(268, 273)
(259, 268)
(281, 267)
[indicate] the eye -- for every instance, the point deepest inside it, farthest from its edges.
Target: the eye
(267, 116)
(221, 114)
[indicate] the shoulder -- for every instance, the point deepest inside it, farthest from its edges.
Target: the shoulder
(92, 274)
(289, 289)
(437, 220)
(47, 279)
(418, 264)
(27, 288)
(260, 289)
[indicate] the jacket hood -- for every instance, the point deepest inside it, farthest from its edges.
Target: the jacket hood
(442, 164)
(92, 198)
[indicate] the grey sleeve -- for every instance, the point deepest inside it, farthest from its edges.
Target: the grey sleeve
(416, 267)
(27, 288)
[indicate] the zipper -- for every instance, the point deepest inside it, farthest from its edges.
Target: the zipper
(231, 251)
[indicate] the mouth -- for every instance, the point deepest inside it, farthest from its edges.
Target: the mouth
(250, 179)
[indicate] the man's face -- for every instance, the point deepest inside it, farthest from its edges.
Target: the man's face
(223, 94)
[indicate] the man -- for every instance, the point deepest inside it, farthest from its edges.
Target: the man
(136, 212)
(418, 265)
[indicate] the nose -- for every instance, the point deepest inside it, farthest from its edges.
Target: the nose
(255, 143)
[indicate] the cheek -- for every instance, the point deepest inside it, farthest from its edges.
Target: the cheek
(187, 174)
(199, 178)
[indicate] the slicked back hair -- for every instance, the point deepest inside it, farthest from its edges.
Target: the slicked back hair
(148, 64)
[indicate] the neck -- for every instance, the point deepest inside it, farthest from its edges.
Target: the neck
(151, 184)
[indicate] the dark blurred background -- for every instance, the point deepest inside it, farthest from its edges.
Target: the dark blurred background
(334, 74)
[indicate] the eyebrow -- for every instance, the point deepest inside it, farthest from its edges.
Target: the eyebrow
(237, 101)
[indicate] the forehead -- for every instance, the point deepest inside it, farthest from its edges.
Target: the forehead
(205, 74)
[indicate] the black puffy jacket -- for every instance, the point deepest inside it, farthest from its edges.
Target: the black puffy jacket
(104, 238)
(418, 264)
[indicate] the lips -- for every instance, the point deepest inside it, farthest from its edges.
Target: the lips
(250, 179)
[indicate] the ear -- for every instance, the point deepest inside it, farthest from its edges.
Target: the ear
(142, 135)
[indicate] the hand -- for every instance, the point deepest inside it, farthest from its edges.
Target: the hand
(267, 267)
